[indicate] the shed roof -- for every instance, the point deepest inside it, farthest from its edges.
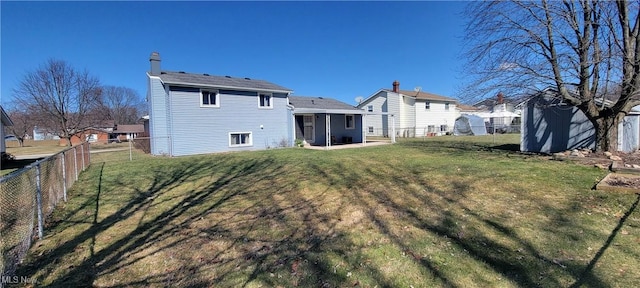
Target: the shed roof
(220, 81)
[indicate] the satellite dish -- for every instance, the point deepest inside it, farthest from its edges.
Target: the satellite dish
(359, 99)
(417, 89)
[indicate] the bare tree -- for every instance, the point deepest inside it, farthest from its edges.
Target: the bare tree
(62, 96)
(23, 125)
(121, 104)
(586, 50)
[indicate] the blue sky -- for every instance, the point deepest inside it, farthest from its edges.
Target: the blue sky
(333, 49)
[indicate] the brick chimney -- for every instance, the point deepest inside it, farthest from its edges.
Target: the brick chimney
(155, 63)
(500, 98)
(396, 86)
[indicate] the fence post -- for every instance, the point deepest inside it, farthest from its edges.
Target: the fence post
(130, 156)
(494, 134)
(82, 152)
(89, 152)
(39, 201)
(75, 161)
(64, 178)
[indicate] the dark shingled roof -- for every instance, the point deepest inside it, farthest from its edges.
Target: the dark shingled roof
(133, 128)
(424, 95)
(319, 103)
(219, 81)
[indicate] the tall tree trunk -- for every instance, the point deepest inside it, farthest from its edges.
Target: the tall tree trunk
(607, 132)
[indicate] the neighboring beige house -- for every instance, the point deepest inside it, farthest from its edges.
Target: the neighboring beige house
(6, 121)
(408, 113)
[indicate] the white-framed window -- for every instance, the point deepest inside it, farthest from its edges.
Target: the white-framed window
(431, 128)
(370, 108)
(446, 106)
(443, 128)
(265, 101)
(371, 129)
(240, 139)
(427, 105)
(349, 122)
(209, 98)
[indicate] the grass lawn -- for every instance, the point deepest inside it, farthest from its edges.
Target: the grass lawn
(445, 211)
(32, 147)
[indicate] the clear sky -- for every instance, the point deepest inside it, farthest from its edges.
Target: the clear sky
(333, 49)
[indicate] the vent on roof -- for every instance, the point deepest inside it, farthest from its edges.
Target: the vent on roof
(320, 98)
(205, 74)
(181, 72)
(227, 76)
(247, 78)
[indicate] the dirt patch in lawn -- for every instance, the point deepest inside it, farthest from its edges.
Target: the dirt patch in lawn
(617, 182)
(623, 181)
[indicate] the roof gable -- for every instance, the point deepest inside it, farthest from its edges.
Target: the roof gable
(368, 99)
(192, 79)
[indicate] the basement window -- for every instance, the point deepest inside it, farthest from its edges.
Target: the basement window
(240, 139)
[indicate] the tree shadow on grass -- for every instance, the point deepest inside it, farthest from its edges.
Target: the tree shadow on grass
(587, 275)
(523, 266)
(240, 221)
(166, 223)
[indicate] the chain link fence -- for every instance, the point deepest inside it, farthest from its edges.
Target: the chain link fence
(28, 196)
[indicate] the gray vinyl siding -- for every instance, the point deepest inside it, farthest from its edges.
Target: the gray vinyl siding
(628, 133)
(201, 130)
(551, 129)
(337, 128)
(158, 118)
(2, 144)
(555, 129)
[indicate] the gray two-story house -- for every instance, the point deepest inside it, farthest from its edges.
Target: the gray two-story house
(200, 113)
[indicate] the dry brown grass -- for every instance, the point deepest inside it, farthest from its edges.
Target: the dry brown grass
(419, 213)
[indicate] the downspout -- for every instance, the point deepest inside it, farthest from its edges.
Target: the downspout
(291, 122)
(169, 126)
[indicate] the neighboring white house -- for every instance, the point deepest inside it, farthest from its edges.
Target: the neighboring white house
(5, 121)
(500, 113)
(412, 113)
